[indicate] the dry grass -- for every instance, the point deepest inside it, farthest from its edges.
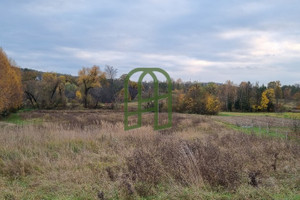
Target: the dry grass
(88, 155)
(264, 125)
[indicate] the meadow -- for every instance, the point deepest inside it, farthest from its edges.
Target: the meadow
(86, 154)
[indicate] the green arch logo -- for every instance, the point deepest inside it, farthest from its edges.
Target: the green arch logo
(154, 99)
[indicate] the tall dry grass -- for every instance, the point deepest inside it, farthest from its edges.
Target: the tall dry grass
(70, 158)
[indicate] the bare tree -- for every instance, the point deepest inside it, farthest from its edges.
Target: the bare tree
(111, 89)
(111, 72)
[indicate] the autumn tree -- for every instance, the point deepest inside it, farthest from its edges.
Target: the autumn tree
(44, 90)
(267, 100)
(103, 93)
(89, 78)
(276, 86)
(202, 100)
(132, 91)
(194, 99)
(256, 95)
(212, 104)
(54, 90)
(10, 85)
(178, 102)
(32, 86)
(132, 88)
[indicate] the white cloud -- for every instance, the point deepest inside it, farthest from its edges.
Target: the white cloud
(177, 65)
(238, 34)
(261, 46)
(181, 63)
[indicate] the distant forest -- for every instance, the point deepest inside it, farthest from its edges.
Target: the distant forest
(93, 88)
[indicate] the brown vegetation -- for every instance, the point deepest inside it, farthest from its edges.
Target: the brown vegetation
(88, 155)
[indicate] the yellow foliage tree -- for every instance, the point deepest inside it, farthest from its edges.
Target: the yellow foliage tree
(78, 95)
(10, 85)
(178, 101)
(267, 99)
(256, 108)
(264, 101)
(88, 79)
(212, 105)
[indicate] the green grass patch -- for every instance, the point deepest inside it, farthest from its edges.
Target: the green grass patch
(254, 130)
(15, 118)
(286, 115)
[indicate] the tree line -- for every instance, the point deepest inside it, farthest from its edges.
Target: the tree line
(93, 88)
(245, 97)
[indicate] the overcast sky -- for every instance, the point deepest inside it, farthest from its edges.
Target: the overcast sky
(197, 40)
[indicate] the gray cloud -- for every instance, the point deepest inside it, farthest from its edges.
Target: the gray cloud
(193, 40)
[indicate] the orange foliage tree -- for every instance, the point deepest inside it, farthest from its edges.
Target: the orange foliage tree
(10, 85)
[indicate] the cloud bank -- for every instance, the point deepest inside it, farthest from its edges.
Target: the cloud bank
(193, 40)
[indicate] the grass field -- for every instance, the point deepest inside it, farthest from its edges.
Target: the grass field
(283, 125)
(86, 154)
(286, 115)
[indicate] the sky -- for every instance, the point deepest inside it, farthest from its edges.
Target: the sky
(195, 40)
